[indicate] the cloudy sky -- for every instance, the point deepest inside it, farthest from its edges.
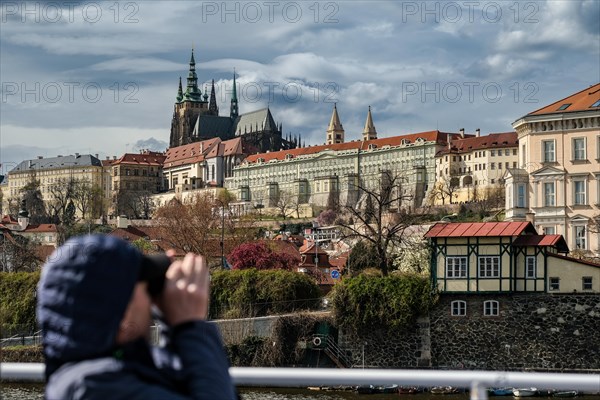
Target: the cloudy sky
(101, 77)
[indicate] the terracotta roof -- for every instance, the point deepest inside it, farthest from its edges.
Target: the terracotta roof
(556, 241)
(153, 233)
(479, 229)
(309, 247)
(146, 158)
(7, 219)
(42, 252)
(430, 136)
(42, 228)
(189, 153)
(580, 101)
(491, 141)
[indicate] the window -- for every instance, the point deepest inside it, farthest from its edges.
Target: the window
(548, 194)
(596, 104)
(458, 308)
(579, 193)
(549, 230)
(564, 106)
(586, 282)
(521, 195)
(456, 267)
(491, 308)
(499, 165)
(554, 284)
(492, 153)
(549, 155)
(489, 267)
(493, 166)
(579, 149)
(530, 267)
(580, 237)
(507, 152)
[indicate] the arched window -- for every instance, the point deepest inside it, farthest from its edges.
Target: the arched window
(491, 308)
(458, 308)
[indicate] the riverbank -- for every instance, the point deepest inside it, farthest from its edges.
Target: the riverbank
(23, 354)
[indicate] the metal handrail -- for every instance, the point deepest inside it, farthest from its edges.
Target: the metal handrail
(303, 377)
(331, 346)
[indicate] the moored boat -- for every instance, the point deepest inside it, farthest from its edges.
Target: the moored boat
(501, 391)
(524, 392)
(408, 390)
(443, 390)
(566, 393)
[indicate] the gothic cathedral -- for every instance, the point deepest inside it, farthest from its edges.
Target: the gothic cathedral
(196, 117)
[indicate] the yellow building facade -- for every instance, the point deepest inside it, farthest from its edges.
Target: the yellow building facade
(557, 183)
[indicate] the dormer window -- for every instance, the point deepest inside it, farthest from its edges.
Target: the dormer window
(372, 146)
(405, 141)
(420, 140)
(289, 156)
(260, 160)
(564, 106)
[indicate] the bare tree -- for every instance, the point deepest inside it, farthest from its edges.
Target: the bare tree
(88, 198)
(136, 204)
(61, 195)
(285, 203)
(197, 224)
(443, 189)
(17, 254)
(383, 224)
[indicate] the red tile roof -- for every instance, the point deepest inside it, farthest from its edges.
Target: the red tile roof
(150, 158)
(491, 141)
(480, 229)
(190, 153)
(580, 101)
(431, 136)
(41, 228)
(556, 241)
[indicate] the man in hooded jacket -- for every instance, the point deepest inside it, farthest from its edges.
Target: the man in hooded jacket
(94, 307)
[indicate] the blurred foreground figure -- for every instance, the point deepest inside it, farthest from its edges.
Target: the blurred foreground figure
(95, 301)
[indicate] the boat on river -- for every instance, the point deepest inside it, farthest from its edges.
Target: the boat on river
(525, 392)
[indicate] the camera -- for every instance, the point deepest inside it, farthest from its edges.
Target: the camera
(153, 268)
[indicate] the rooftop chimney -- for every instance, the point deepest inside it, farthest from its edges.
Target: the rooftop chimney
(462, 133)
(40, 157)
(96, 155)
(114, 157)
(477, 132)
(76, 154)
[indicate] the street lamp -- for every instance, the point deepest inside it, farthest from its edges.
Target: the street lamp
(222, 232)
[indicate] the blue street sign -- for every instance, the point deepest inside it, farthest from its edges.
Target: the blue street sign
(335, 274)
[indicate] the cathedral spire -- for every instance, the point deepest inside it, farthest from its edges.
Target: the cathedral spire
(212, 105)
(233, 111)
(335, 131)
(179, 92)
(192, 93)
(369, 133)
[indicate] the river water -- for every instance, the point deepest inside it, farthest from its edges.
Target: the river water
(35, 392)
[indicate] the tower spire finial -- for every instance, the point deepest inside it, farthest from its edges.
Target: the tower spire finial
(233, 111)
(335, 131)
(369, 133)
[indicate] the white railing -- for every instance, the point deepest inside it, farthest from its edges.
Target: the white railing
(304, 377)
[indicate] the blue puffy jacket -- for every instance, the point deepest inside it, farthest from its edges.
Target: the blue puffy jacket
(82, 296)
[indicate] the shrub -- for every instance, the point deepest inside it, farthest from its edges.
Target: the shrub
(364, 303)
(250, 293)
(17, 302)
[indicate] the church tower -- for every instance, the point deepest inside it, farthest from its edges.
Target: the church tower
(234, 111)
(188, 106)
(369, 133)
(335, 131)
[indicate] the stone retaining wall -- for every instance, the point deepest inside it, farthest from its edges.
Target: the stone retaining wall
(538, 331)
(533, 331)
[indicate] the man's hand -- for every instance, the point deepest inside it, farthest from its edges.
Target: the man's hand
(186, 292)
